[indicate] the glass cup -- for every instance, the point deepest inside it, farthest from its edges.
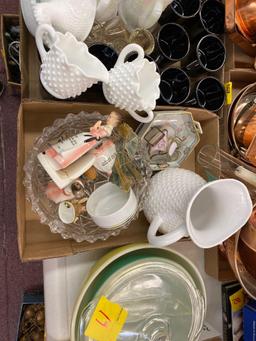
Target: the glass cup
(216, 164)
(207, 93)
(180, 9)
(105, 53)
(207, 55)
(172, 44)
(174, 86)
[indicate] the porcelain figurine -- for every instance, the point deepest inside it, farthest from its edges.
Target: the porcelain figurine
(67, 151)
(64, 73)
(74, 16)
(141, 13)
(133, 86)
(68, 159)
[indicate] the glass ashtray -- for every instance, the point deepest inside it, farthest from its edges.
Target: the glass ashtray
(169, 138)
(36, 179)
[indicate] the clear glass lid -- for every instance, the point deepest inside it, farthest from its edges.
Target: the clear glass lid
(161, 298)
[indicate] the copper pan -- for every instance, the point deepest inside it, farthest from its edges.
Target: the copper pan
(231, 20)
(232, 249)
(242, 120)
(246, 19)
(247, 245)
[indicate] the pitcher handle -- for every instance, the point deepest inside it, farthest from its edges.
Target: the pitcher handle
(142, 119)
(166, 239)
(41, 30)
(129, 49)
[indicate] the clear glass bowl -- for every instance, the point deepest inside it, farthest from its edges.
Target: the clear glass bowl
(161, 298)
(36, 180)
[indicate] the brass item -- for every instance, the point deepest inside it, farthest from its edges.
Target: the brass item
(91, 173)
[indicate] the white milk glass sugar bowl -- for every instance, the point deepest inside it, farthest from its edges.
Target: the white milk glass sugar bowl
(67, 69)
(133, 86)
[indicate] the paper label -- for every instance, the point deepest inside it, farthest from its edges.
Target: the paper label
(107, 321)
(237, 300)
(228, 88)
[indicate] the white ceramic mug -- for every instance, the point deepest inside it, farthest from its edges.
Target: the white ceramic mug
(180, 204)
(133, 86)
(109, 206)
(67, 69)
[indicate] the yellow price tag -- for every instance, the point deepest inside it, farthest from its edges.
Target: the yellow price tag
(107, 321)
(228, 87)
(237, 300)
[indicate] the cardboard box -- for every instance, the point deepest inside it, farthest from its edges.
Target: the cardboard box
(32, 88)
(217, 266)
(35, 240)
(240, 72)
(6, 21)
(30, 62)
(209, 333)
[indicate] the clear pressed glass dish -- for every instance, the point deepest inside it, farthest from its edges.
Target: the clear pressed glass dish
(36, 180)
(161, 298)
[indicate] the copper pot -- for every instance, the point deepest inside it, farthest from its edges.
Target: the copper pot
(246, 19)
(246, 279)
(245, 128)
(242, 123)
(241, 24)
(240, 250)
(247, 246)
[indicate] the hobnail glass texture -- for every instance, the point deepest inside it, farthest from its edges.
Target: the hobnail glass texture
(36, 180)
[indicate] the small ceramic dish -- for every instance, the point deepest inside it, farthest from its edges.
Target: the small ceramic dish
(169, 138)
(36, 181)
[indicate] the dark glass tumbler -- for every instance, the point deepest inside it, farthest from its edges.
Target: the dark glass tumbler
(207, 93)
(174, 86)
(208, 55)
(172, 44)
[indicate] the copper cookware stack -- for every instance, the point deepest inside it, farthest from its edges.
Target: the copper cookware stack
(241, 24)
(242, 124)
(240, 250)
